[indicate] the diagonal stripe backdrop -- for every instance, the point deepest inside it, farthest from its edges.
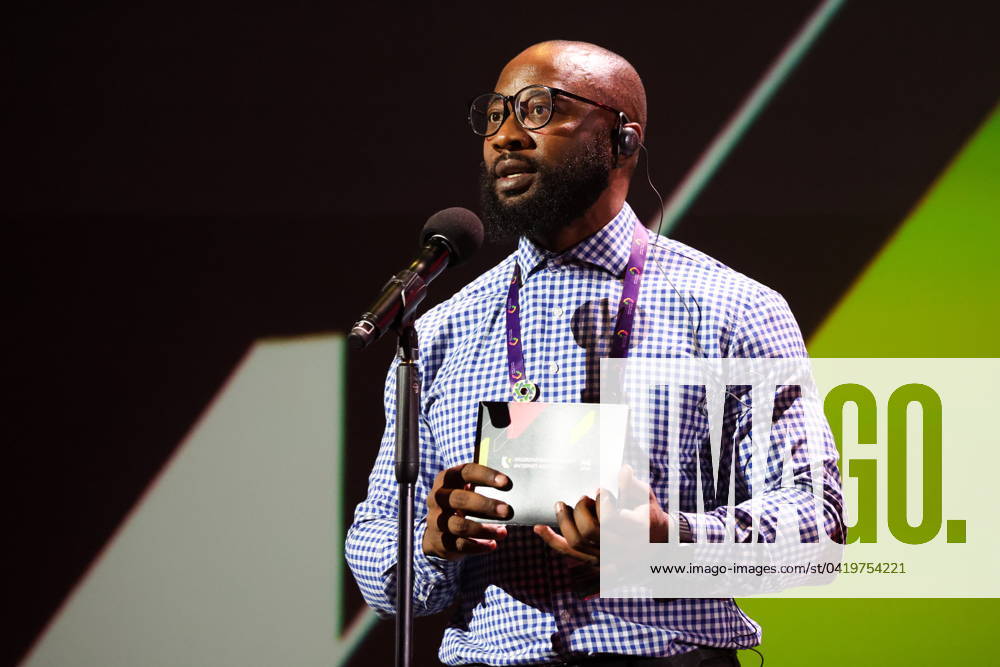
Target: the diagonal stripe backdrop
(190, 180)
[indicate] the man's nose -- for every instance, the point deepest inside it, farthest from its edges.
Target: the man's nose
(511, 136)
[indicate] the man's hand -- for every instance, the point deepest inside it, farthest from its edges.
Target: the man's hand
(580, 526)
(449, 533)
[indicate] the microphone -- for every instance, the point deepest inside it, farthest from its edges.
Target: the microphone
(449, 238)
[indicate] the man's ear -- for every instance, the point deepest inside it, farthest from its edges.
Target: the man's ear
(628, 141)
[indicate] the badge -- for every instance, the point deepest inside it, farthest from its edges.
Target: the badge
(525, 391)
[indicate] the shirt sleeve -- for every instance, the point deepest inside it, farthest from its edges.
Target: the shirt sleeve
(768, 330)
(372, 544)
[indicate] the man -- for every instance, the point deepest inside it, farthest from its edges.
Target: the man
(559, 148)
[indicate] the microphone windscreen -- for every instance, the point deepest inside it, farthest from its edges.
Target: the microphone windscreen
(460, 227)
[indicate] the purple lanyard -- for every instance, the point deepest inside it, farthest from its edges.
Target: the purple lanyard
(525, 390)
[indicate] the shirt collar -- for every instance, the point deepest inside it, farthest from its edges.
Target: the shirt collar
(608, 248)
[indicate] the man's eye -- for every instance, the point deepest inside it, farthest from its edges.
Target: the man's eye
(495, 116)
(538, 109)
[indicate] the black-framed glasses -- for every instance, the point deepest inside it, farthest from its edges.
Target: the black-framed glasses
(532, 107)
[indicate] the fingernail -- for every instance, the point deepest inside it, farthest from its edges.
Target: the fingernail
(560, 506)
(503, 509)
(501, 480)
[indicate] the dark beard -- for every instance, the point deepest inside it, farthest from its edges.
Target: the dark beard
(560, 196)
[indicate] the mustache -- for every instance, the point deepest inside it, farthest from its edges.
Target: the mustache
(522, 161)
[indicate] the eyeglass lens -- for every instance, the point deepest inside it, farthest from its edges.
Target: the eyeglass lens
(532, 107)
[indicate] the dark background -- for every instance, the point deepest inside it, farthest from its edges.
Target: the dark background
(182, 180)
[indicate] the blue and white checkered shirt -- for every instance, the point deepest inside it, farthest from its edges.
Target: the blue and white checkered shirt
(517, 605)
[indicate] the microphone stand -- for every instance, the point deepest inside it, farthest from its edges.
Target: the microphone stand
(398, 303)
(407, 470)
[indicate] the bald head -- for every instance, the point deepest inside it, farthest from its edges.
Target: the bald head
(560, 179)
(594, 72)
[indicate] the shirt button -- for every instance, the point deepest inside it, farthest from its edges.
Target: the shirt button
(565, 616)
(553, 367)
(557, 311)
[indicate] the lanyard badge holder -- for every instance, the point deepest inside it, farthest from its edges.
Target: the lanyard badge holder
(584, 578)
(523, 389)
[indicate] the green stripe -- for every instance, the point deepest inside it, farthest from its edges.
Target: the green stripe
(339, 415)
(346, 641)
(720, 148)
(932, 291)
(349, 642)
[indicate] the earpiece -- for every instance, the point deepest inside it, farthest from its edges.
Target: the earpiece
(626, 139)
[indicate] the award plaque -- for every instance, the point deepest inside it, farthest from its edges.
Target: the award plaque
(550, 451)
